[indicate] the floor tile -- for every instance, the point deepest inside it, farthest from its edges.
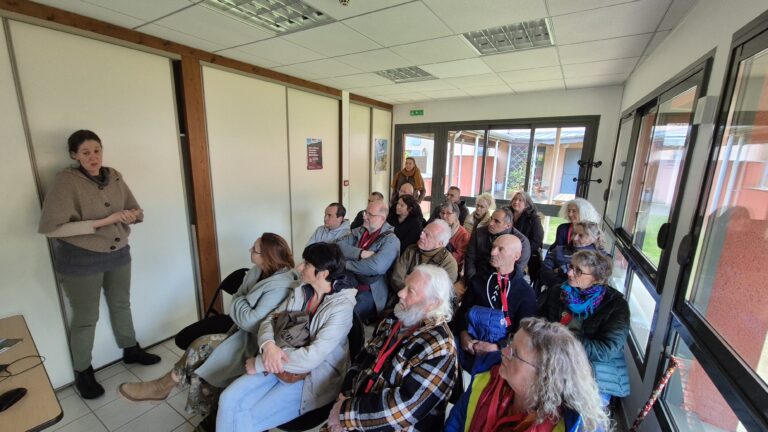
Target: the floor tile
(110, 371)
(120, 411)
(87, 423)
(159, 419)
(178, 403)
(170, 345)
(148, 373)
(110, 389)
(186, 427)
(73, 408)
(65, 392)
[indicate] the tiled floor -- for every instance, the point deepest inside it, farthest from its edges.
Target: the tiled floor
(111, 413)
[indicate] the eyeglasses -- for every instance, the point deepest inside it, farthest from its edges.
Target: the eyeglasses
(577, 271)
(446, 213)
(513, 355)
(19, 366)
(254, 251)
(369, 214)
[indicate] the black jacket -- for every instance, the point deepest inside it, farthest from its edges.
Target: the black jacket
(478, 257)
(409, 230)
(603, 335)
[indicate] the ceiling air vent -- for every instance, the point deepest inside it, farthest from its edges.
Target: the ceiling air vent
(279, 16)
(406, 74)
(512, 37)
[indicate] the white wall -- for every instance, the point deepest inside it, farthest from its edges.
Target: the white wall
(126, 96)
(248, 146)
(359, 158)
(381, 129)
(602, 101)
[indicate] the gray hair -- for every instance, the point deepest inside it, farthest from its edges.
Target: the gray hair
(445, 231)
(565, 375)
(439, 289)
(508, 216)
(601, 265)
(593, 230)
(452, 206)
(488, 198)
(586, 211)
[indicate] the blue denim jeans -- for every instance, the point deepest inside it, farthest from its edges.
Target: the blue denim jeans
(258, 403)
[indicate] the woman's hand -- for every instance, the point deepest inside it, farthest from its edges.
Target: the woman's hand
(250, 365)
(467, 343)
(481, 347)
(274, 358)
(123, 216)
(334, 425)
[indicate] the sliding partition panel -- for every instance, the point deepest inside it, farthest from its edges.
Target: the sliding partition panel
(27, 284)
(313, 127)
(126, 96)
(381, 152)
(246, 124)
(359, 158)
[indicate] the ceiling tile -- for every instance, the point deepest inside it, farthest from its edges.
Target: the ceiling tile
(375, 60)
(676, 13)
(561, 7)
(445, 94)
(489, 90)
(463, 16)
(145, 10)
(280, 51)
(298, 73)
(332, 40)
(606, 49)
(409, 97)
(237, 54)
(421, 86)
(181, 37)
(404, 24)
(360, 80)
(596, 81)
(538, 86)
(325, 68)
(354, 8)
(526, 75)
(385, 90)
(609, 22)
(527, 59)
(605, 67)
(213, 26)
(328, 82)
(457, 68)
(658, 38)
(436, 50)
(481, 80)
(93, 11)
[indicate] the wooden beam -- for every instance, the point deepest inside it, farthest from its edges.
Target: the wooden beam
(194, 112)
(368, 101)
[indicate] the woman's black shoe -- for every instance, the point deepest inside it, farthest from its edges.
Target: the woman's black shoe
(136, 354)
(86, 385)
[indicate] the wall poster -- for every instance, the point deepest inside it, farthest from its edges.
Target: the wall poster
(314, 153)
(380, 152)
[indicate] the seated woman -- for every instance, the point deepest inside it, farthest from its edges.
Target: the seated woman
(213, 361)
(527, 221)
(544, 383)
(586, 236)
(406, 221)
(287, 380)
(575, 210)
(484, 207)
(597, 314)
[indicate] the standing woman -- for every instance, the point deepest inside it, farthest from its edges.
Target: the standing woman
(407, 221)
(575, 210)
(409, 174)
(88, 212)
(484, 207)
(527, 221)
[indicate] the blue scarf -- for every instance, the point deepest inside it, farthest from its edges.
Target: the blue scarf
(582, 303)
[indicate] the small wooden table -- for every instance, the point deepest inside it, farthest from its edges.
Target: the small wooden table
(39, 408)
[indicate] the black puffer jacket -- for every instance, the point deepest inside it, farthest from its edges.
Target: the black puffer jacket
(603, 335)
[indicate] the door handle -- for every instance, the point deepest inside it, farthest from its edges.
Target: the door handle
(684, 251)
(663, 237)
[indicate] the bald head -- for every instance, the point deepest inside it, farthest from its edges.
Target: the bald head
(375, 215)
(405, 189)
(505, 253)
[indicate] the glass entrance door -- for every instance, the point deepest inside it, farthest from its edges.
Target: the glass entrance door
(421, 147)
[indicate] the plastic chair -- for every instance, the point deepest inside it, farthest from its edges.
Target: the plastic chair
(316, 417)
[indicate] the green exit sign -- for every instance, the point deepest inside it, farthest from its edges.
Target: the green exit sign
(418, 112)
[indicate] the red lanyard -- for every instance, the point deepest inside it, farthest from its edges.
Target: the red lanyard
(570, 231)
(385, 351)
(504, 291)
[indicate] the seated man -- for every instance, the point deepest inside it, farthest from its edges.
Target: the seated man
(370, 251)
(478, 255)
(453, 196)
(358, 222)
(403, 378)
(502, 289)
(459, 235)
(430, 249)
(334, 225)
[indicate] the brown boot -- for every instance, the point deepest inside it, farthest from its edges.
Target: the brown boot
(156, 390)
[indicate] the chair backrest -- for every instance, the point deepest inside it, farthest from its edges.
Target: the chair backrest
(231, 283)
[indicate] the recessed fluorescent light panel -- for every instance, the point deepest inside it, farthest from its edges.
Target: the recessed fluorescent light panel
(406, 74)
(280, 16)
(513, 37)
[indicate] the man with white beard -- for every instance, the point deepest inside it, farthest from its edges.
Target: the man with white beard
(403, 378)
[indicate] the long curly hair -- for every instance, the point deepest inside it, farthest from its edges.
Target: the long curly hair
(565, 376)
(587, 212)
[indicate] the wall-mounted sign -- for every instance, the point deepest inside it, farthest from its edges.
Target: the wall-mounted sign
(417, 112)
(380, 152)
(314, 154)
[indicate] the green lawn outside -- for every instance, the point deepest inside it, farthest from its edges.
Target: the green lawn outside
(650, 248)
